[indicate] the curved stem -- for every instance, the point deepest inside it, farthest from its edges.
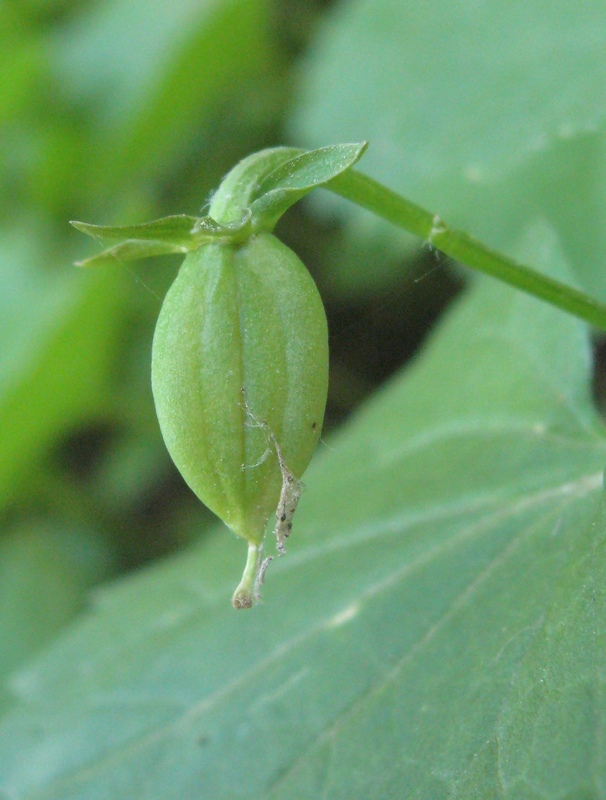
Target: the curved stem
(389, 205)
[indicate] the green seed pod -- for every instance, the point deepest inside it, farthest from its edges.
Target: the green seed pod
(240, 352)
(239, 376)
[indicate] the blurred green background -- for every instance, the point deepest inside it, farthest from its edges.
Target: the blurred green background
(115, 112)
(120, 111)
(470, 658)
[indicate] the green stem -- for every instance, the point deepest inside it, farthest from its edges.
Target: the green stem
(244, 596)
(394, 208)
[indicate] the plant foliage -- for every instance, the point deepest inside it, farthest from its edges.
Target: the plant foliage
(437, 630)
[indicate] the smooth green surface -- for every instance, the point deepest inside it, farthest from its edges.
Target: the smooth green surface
(488, 113)
(435, 632)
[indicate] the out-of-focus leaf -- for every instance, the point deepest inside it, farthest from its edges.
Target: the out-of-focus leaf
(155, 94)
(433, 633)
(57, 340)
(367, 258)
(21, 59)
(135, 465)
(489, 113)
(45, 574)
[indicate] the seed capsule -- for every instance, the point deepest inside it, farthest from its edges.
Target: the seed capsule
(239, 377)
(240, 352)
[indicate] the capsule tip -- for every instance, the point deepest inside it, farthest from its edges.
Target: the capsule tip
(242, 599)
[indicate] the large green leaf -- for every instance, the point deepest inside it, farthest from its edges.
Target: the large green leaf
(485, 112)
(435, 632)
(45, 574)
